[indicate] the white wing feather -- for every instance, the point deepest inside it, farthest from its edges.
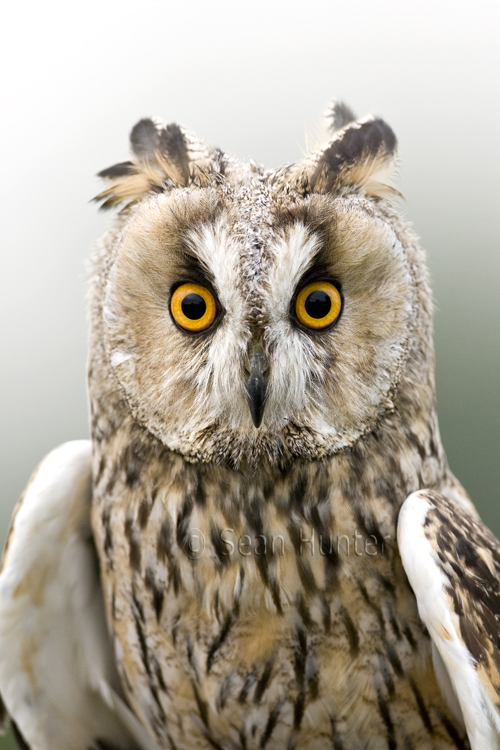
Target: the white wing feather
(430, 587)
(57, 674)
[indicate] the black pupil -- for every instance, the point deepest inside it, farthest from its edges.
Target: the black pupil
(193, 306)
(318, 304)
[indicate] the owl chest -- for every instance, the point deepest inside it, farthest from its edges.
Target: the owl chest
(266, 632)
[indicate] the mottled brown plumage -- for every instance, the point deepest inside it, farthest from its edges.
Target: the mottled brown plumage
(309, 648)
(286, 560)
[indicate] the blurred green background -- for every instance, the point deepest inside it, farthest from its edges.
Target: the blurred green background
(252, 77)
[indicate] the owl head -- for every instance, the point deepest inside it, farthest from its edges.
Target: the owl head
(247, 313)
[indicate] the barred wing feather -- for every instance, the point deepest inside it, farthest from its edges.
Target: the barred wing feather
(453, 564)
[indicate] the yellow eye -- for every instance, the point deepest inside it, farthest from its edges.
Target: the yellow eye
(193, 307)
(318, 305)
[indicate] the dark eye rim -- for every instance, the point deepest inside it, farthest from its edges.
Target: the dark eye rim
(313, 280)
(219, 310)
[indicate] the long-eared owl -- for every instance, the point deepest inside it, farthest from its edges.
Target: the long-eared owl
(262, 546)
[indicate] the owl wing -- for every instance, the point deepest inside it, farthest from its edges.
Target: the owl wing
(453, 564)
(58, 678)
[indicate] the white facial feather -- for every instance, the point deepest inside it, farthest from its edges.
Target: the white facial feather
(326, 386)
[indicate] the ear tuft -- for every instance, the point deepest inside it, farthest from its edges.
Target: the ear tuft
(117, 170)
(144, 139)
(163, 158)
(172, 149)
(338, 115)
(362, 154)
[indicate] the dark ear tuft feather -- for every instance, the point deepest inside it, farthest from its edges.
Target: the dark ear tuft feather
(339, 115)
(144, 139)
(172, 145)
(118, 170)
(355, 156)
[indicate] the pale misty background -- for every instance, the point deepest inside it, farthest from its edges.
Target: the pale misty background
(253, 78)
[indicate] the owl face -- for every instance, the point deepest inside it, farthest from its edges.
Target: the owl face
(250, 313)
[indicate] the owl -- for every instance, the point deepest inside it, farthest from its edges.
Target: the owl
(262, 546)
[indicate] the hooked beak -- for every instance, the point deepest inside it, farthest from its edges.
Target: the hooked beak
(256, 384)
